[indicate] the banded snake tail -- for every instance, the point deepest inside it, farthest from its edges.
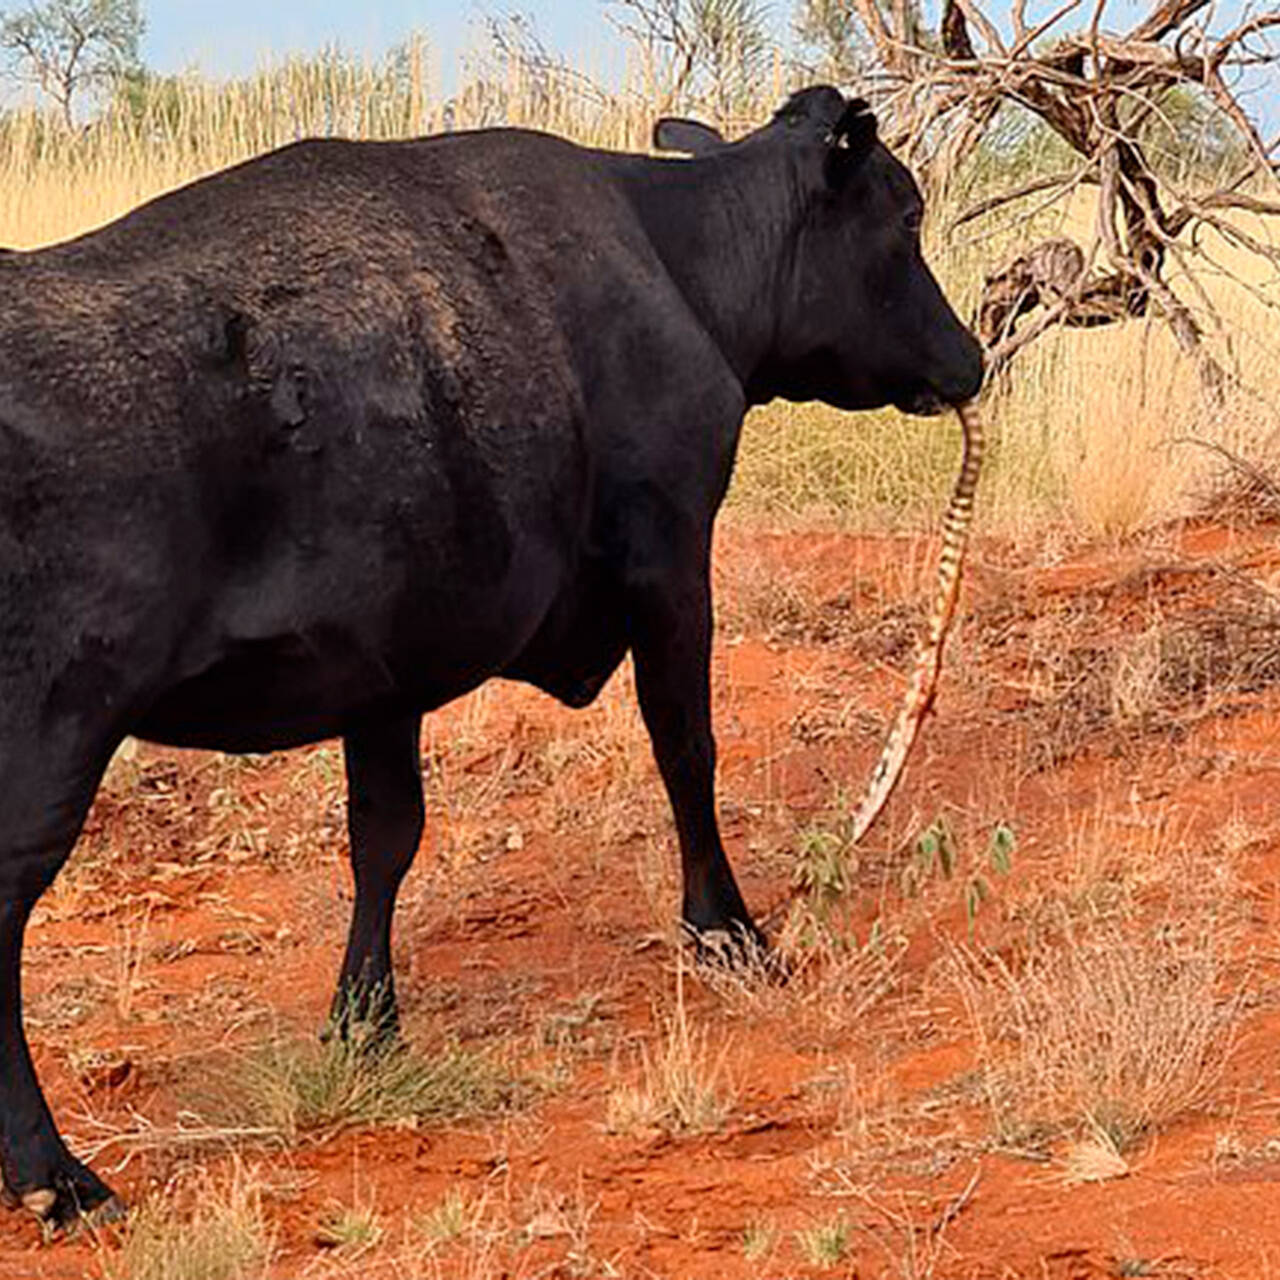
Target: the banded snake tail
(924, 679)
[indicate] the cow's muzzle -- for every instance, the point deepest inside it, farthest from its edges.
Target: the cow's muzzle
(922, 404)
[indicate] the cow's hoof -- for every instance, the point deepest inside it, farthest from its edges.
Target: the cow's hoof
(78, 1198)
(737, 945)
(111, 1212)
(41, 1203)
(67, 1214)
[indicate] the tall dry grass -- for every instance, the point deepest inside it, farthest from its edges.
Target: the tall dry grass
(56, 183)
(1088, 425)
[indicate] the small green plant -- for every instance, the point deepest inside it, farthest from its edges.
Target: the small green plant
(936, 855)
(822, 871)
(825, 1243)
(999, 860)
(825, 864)
(758, 1240)
(349, 1231)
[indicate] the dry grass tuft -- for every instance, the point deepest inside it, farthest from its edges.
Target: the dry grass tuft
(684, 1084)
(759, 1240)
(1244, 487)
(563, 1220)
(1156, 671)
(1116, 1029)
(1092, 1158)
(297, 1087)
(350, 1231)
(206, 1228)
(825, 1244)
(455, 1217)
(816, 980)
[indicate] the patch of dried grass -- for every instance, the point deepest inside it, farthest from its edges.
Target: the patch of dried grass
(683, 1082)
(816, 980)
(1114, 1028)
(1094, 1157)
(1089, 675)
(1241, 482)
(201, 1227)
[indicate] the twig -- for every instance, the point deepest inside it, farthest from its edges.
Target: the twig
(1034, 187)
(956, 1207)
(1260, 482)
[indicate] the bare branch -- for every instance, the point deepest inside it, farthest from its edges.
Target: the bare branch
(989, 205)
(979, 19)
(1027, 38)
(1166, 18)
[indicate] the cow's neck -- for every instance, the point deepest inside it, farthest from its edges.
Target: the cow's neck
(724, 228)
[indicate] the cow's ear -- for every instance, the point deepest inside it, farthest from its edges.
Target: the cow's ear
(671, 134)
(850, 141)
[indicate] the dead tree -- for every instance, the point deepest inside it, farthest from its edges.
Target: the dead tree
(707, 56)
(1100, 91)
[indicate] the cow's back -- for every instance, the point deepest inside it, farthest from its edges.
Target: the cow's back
(328, 393)
(354, 250)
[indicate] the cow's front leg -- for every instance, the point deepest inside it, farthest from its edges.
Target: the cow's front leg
(384, 819)
(670, 611)
(44, 795)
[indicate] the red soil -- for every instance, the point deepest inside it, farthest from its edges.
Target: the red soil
(207, 904)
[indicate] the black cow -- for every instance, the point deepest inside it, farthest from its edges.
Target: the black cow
(317, 444)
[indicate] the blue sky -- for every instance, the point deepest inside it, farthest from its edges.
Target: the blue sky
(235, 36)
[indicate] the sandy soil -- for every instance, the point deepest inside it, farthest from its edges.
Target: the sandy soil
(1115, 708)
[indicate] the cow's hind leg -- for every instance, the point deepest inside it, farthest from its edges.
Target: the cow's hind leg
(384, 819)
(39, 822)
(671, 639)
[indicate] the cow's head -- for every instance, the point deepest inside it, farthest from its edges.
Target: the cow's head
(861, 322)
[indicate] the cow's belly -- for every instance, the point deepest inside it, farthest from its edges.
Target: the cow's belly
(307, 683)
(260, 699)
(281, 693)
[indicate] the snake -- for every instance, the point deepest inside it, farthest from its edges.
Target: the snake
(924, 677)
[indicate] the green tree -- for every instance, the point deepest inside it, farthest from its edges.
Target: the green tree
(66, 46)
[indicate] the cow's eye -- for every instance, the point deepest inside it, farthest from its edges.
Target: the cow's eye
(914, 221)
